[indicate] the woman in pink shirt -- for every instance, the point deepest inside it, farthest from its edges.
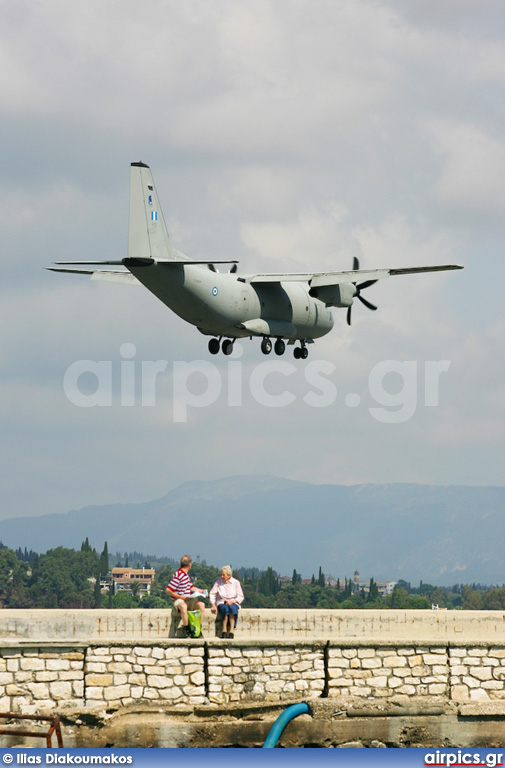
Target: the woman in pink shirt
(226, 596)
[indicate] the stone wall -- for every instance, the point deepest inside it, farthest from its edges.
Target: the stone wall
(39, 679)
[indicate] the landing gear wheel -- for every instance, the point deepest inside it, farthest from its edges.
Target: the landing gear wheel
(266, 346)
(304, 353)
(214, 346)
(297, 353)
(279, 347)
(227, 347)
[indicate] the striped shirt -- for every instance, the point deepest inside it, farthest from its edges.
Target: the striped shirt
(180, 583)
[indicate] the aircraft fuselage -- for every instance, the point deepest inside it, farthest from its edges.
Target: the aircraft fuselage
(218, 304)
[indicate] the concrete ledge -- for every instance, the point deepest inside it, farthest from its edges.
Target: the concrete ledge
(484, 709)
(317, 642)
(266, 624)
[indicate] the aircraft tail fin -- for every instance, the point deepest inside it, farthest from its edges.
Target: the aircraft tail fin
(147, 235)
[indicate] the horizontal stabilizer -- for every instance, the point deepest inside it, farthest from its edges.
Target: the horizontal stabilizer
(98, 263)
(107, 275)
(139, 261)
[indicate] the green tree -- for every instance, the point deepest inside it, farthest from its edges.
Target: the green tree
(373, 592)
(13, 579)
(124, 600)
(399, 597)
(104, 561)
(97, 592)
(494, 600)
(62, 579)
(159, 585)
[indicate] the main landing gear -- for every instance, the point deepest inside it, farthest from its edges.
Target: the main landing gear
(226, 346)
(266, 346)
(279, 347)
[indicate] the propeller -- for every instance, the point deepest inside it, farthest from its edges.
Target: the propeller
(360, 287)
(234, 268)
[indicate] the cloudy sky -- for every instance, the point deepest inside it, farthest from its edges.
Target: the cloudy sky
(292, 135)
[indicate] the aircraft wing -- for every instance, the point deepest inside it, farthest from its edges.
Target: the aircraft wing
(109, 275)
(319, 279)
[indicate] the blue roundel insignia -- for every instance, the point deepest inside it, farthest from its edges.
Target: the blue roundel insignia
(215, 291)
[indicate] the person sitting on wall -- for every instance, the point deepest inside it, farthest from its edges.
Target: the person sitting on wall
(226, 596)
(180, 589)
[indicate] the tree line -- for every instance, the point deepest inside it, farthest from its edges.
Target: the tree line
(66, 578)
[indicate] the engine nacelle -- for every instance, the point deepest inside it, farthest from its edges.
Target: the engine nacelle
(340, 295)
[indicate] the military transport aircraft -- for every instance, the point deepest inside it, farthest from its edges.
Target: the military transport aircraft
(229, 306)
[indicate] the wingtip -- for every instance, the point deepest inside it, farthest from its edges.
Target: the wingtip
(140, 164)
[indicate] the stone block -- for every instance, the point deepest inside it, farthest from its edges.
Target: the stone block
(119, 667)
(96, 666)
(478, 694)
(460, 693)
(482, 673)
(60, 690)
(94, 693)
(142, 650)
(497, 653)
(116, 692)
(198, 678)
(407, 690)
(99, 680)
(31, 664)
(492, 685)
(374, 663)
(437, 689)
(158, 681)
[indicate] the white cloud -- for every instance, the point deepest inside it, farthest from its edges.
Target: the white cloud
(472, 174)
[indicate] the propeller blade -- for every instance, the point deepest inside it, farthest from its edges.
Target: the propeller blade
(355, 263)
(349, 316)
(366, 284)
(234, 268)
(366, 303)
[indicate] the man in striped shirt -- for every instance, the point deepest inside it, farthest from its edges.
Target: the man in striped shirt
(180, 589)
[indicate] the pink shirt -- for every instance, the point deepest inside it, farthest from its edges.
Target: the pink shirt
(226, 590)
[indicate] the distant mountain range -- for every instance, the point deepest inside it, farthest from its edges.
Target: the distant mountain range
(438, 534)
